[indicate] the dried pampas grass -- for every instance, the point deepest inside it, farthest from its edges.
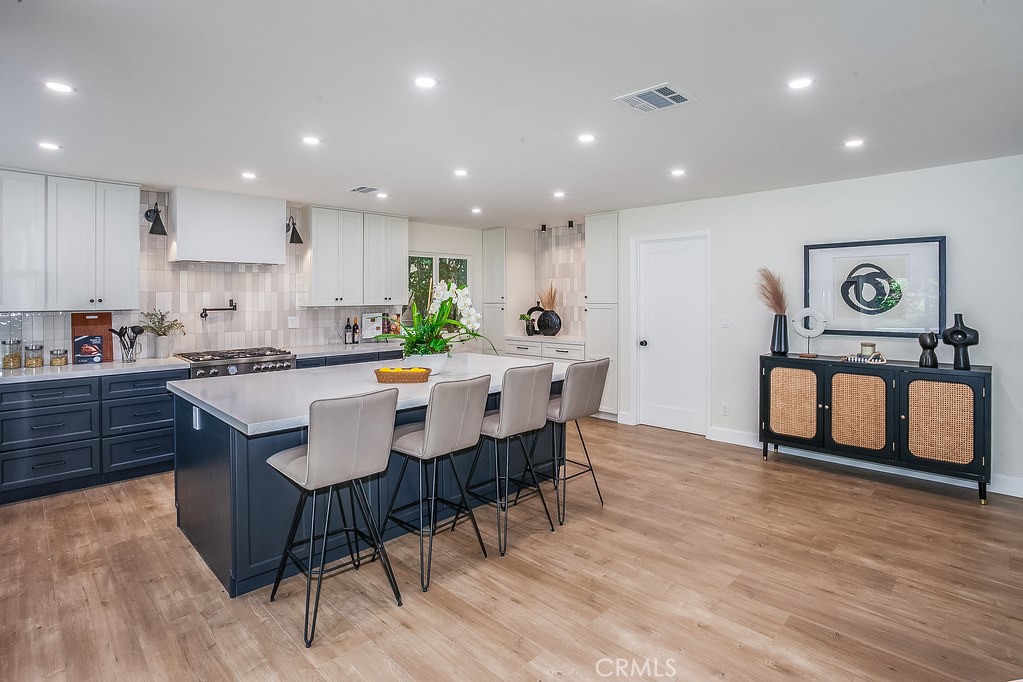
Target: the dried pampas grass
(771, 291)
(548, 297)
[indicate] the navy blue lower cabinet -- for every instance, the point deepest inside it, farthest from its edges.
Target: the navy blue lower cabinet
(138, 449)
(130, 415)
(368, 356)
(22, 396)
(389, 355)
(39, 466)
(134, 385)
(305, 363)
(40, 426)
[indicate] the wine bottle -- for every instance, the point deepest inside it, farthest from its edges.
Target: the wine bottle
(348, 330)
(355, 331)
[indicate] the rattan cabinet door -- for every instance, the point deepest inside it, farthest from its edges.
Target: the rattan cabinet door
(790, 402)
(859, 404)
(942, 422)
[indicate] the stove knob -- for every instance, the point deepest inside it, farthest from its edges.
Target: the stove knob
(200, 373)
(287, 365)
(258, 367)
(282, 365)
(214, 372)
(232, 369)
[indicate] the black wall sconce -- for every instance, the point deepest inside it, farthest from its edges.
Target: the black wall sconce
(292, 227)
(153, 216)
(543, 228)
(571, 224)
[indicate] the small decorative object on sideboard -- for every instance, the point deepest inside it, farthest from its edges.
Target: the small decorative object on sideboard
(809, 324)
(530, 325)
(772, 293)
(928, 341)
(549, 322)
(158, 324)
(874, 358)
(960, 337)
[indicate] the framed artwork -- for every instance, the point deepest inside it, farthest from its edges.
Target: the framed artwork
(885, 287)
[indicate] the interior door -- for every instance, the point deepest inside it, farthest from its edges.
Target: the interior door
(672, 334)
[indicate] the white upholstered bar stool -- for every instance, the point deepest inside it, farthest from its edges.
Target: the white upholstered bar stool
(349, 440)
(454, 415)
(580, 397)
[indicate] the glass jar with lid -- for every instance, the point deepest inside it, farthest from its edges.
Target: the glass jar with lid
(10, 352)
(33, 355)
(58, 357)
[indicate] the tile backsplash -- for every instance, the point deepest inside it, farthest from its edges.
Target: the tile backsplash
(560, 258)
(267, 295)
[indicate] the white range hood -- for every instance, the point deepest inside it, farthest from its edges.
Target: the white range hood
(227, 228)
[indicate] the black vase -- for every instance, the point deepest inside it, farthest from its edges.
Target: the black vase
(549, 323)
(780, 336)
(530, 328)
(928, 341)
(960, 337)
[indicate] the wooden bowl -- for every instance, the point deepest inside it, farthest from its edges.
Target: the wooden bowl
(403, 375)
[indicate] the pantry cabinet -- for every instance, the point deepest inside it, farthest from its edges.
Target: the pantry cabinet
(22, 240)
(92, 245)
(601, 254)
(385, 260)
(602, 342)
(336, 251)
(493, 328)
(493, 265)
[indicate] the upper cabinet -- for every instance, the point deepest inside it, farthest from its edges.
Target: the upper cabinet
(602, 258)
(385, 260)
(92, 245)
(493, 265)
(22, 239)
(335, 238)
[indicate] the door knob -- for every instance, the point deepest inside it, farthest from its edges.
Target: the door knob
(643, 343)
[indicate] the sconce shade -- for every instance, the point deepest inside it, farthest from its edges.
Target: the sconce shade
(153, 216)
(291, 227)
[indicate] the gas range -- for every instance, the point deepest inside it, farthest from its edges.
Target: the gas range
(212, 363)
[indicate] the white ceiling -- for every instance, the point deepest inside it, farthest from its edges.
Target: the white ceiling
(193, 92)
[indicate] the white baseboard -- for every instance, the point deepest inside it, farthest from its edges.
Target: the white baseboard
(608, 416)
(1000, 483)
(626, 418)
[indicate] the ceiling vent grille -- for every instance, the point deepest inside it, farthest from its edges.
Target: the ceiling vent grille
(363, 189)
(659, 97)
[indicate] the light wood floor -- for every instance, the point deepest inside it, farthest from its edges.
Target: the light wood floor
(706, 562)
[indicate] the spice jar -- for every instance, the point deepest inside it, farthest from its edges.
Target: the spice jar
(11, 352)
(58, 357)
(33, 354)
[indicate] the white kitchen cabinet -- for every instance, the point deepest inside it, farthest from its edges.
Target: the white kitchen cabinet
(492, 327)
(493, 265)
(22, 241)
(385, 261)
(602, 342)
(92, 245)
(601, 254)
(336, 244)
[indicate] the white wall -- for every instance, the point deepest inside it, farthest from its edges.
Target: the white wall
(977, 206)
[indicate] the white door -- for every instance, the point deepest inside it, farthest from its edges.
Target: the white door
(117, 246)
(672, 334)
(71, 244)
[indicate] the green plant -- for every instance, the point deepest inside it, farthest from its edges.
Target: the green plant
(436, 331)
(525, 317)
(157, 322)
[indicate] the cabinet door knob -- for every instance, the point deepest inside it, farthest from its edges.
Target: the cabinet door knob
(819, 406)
(827, 407)
(902, 416)
(101, 300)
(92, 300)
(643, 343)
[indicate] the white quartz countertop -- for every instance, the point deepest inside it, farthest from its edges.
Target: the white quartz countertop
(13, 376)
(539, 338)
(256, 404)
(341, 349)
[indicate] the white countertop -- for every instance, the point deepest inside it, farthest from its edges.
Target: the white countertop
(341, 349)
(256, 404)
(539, 338)
(13, 376)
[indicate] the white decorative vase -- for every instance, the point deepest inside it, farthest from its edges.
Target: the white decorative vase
(436, 363)
(162, 347)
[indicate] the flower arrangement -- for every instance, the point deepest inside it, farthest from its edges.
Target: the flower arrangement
(771, 291)
(158, 324)
(437, 330)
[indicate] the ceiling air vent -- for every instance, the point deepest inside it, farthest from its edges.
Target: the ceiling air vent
(656, 98)
(363, 189)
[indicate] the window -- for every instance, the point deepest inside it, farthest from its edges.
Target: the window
(424, 270)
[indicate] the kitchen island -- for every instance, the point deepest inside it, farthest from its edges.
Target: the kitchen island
(235, 509)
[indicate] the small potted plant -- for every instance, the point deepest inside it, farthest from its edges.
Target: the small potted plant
(530, 324)
(158, 324)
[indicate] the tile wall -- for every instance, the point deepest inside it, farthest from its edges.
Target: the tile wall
(267, 295)
(560, 258)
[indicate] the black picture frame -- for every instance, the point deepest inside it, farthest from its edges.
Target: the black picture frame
(870, 301)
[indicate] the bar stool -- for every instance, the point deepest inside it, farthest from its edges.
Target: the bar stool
(580, 397)
(349, 440)
(525, 392)
(454, 415)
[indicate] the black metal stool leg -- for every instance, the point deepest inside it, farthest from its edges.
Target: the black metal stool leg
(588, 462)
(465, 503)
(394, 496)
(561, 490)
(296, 519)
(310, 631)
(363, 499)
(501, 500)
(468, 481)
(426, 562)
(536, 482)
(353, 552)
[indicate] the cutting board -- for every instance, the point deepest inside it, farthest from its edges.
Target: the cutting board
(95, 324)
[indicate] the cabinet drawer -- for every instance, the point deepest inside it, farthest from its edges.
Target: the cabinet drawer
(557, 351)
(389, 355)
(350, 359)
(137, 414)
(148, 383)
(47, 393)
(305, 363)
(47, 465)
(530, 348)
(135, 450)
(48, 426)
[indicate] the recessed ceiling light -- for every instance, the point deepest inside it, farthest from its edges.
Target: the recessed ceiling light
(586, 137)
(678, 171)
(426, 81)
(381, 195)
(311, 140)
(58, 87)
(800, 83)
(49, 145)
(854, 143)
(477, 210)
(558, 195)
(461, 172)
(249, 175)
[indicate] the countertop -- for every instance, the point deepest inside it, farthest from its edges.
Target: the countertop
(539, 338)
(13, 376)
(256, 404)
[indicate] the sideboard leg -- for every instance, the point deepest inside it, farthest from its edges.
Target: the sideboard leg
(765, 450)
(982, 489)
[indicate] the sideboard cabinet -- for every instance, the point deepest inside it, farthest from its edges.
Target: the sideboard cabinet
(935, 420)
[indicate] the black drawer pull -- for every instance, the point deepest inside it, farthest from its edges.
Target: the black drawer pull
(149, 448)
(49, 464)
(43, 427)
(49, 394)
(146, 384)
(558, 350)
(145, 414)
(522, 347)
